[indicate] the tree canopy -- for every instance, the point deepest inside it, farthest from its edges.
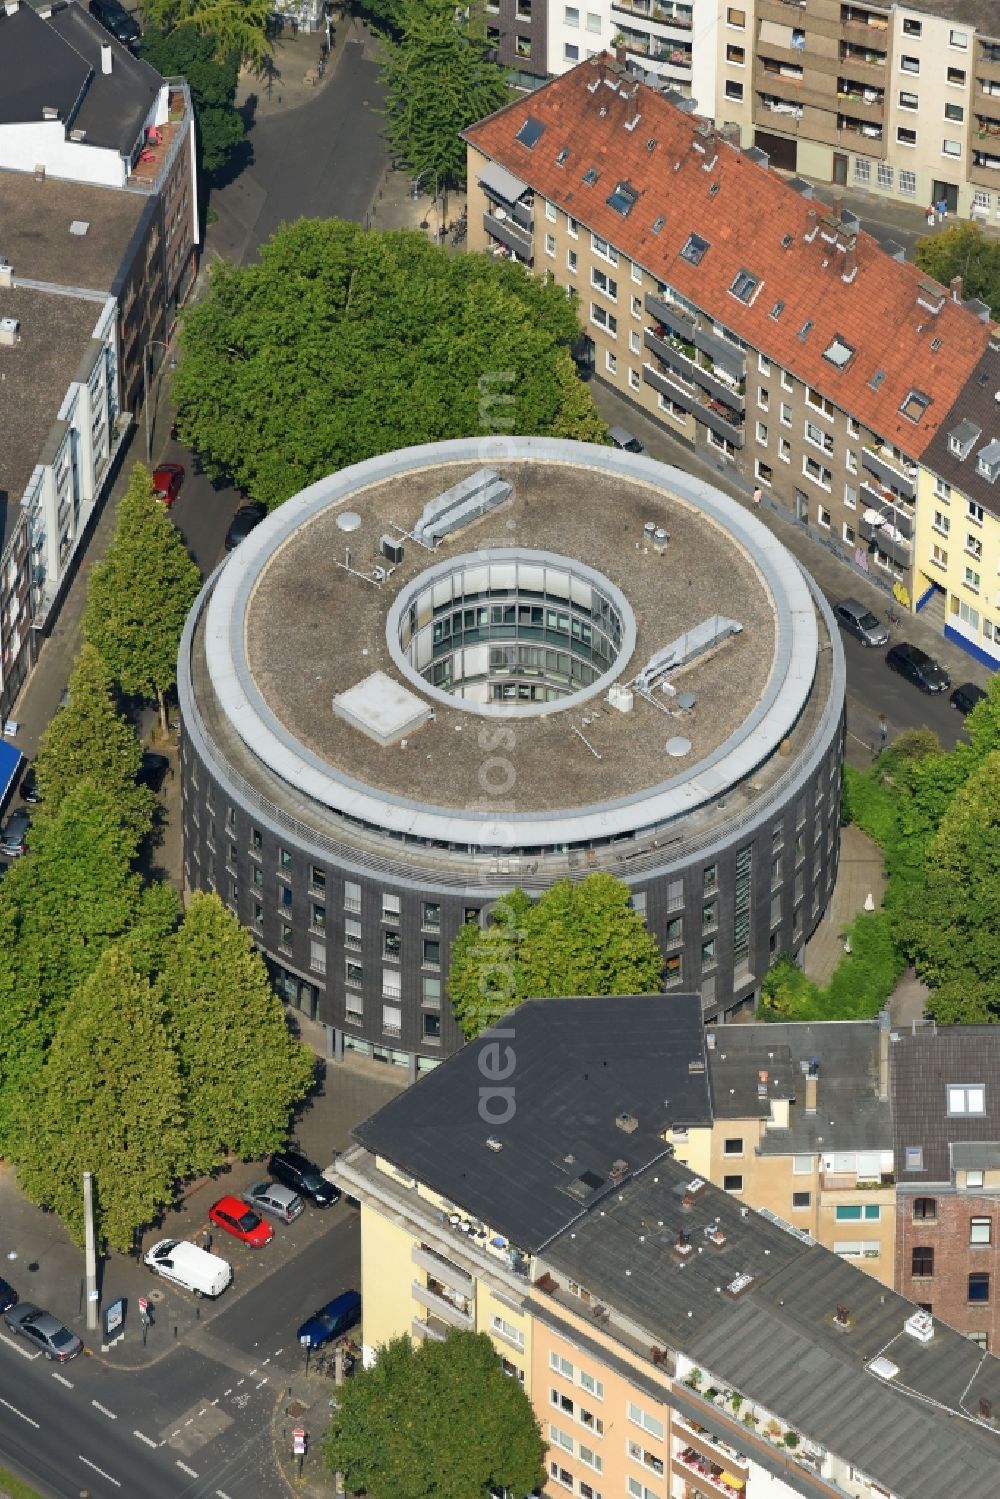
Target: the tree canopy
(441, 1421)
(241, 1070)
(88, 740)
(140, 595)
(580, 937)
(963, 250)
(239, 27)
(438, 80)
(192, 54)
(341, 344)
(953, 933)
(108, 1102)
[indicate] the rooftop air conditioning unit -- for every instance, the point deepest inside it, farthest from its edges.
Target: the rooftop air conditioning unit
(6, 273)
(10, 331)
(920, 1326)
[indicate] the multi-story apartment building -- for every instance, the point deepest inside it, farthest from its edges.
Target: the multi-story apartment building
(674, 1343)
(898, 100)
(518, 34)
(957, 544)
(674, 42)
(946, 1121)
(748, 318)
(98, 235)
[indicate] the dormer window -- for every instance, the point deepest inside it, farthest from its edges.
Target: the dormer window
(988, 462)
(743, 287)
(839, 353)
(915, 405)
(966, 1098)
(694, 250)
(962, 439)
(623, 199)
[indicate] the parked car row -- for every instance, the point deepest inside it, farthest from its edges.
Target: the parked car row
(907, 660)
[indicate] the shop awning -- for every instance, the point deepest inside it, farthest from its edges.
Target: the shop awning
(503, 184)
(10, 765)
(733, 1481)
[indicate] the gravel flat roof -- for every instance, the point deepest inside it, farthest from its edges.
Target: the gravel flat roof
(313, 630)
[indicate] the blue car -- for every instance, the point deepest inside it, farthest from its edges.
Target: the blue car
(331, 1320)
(8, 1296)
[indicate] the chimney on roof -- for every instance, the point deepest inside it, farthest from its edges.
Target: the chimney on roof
(730, 133)
(812, 1087)
(957, 288)
(883, 1053)
(10, 6)
(620, 55)
(850, 263)
(837, 209)
(107, 57)
(812, 219)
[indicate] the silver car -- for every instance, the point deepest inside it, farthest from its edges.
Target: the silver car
(280, 1202)
(858, 620)
(43, 1330)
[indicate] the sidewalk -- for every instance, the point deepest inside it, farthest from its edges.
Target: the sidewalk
(859, 875)
(293, 77)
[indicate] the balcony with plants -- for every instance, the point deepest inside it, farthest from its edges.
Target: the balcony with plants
(657, 49)
(678, 16)
(862, 57)
(888, 466)
(709, 1478)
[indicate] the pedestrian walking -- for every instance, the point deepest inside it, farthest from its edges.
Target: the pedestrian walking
(883, 730)
(758, 495)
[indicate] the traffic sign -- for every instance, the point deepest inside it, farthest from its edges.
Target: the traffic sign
(299, 1441)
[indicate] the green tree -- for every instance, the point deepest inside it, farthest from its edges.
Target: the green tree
(238, 27)
(303, 364)
(438, 81)
(194, 55)
(577, 417)
(963, 250)
(241, 1069)
(953, 934)
(60, 909)
(89, 740)
(441, 1421)
(140, 596)
(108, 1102)
(580, 937)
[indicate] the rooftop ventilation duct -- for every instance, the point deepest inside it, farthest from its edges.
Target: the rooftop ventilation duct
(458, 506)
(687, 647)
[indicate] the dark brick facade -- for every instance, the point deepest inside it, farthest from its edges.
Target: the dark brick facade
(948, 1235)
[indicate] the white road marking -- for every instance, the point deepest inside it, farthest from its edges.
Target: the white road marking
(98, 1470)
(144, 1438)
(189, 1421)
(278, 1352)
(20, 1413)
(19, 1347)
(265, 1363)
(62, 1379)
(203, 1410)
(239, 1382)
(104, 1410)
(229, 1391)
(262, 1383)
(216, 1400)
(220, 1495)
(253, 1371)
(185, 1469)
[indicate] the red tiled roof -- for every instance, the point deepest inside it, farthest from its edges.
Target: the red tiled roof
(588, 112)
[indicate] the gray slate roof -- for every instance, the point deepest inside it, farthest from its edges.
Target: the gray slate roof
(849, 1114)
(578, 1064)
(55, 62)
(974, 409)
(921, 1067)
(779, 1344)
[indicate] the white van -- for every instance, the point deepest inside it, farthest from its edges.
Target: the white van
(190, 1267)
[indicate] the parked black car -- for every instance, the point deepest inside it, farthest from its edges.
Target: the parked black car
(917, 667)
(299, 1173)
(152, 770)
(966, 697)
(243, 522)
(115, 18)
(29, 788)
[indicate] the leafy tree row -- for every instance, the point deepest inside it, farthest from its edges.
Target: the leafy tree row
(340, 345)
(237, 28)
(135, 1042)
(935, 815)
(963, 250)
(581, 937)
(212, 78)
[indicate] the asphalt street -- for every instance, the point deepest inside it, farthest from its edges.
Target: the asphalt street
(196, 1423)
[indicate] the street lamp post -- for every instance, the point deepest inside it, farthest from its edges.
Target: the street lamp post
(153, 342)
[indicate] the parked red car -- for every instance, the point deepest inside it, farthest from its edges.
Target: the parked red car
(237, 1219)
(167, 481)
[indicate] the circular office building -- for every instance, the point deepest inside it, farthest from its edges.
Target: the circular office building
(504, 661)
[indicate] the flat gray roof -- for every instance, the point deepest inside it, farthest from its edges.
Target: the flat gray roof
(281, 601)
(34, 376)
(35, 237)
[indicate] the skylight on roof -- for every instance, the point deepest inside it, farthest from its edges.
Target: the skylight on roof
(915, 405)
(563, 157)
(623, 199)
(777, 310)
(876, 380)
(786, 241)
(590, 176)
(651, 144)
(806, 329)
(839, 353)
(694, 250)
(658, 224)
(530, 132)
(743, 287)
